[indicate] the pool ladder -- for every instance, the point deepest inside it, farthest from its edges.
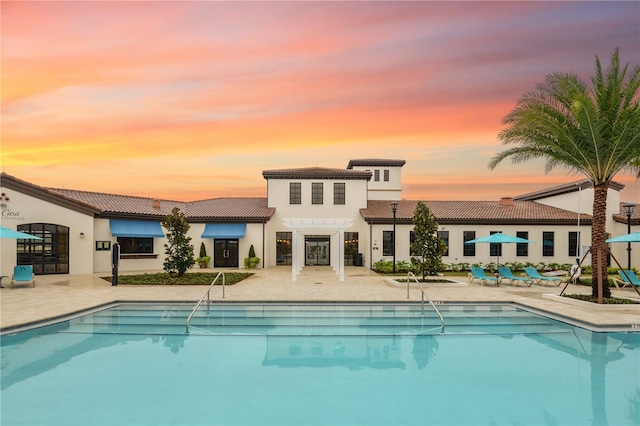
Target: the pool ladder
(207, 295)
(424, 294)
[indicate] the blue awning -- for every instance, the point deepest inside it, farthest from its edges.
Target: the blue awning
(224, 230)
(135, 228)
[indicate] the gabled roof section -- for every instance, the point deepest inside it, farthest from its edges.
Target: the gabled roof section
(473, 212)
(316, 173)
(113, 205)
(44, 194)
(621, 216)
(375, 162)
(563, 189)
(230, 209)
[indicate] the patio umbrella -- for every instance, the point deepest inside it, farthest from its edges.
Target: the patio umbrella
(628, 238)
(500, 238)
(16, 235)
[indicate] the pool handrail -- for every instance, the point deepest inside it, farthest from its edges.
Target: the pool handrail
(207, 296)
(424, 294)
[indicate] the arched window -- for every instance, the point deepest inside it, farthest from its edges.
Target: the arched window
(49, 255)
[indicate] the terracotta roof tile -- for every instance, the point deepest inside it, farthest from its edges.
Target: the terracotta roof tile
(123, 204)
(471, 212)
(375, 162)
(316, 173)
(563, 189)
(621, 216)
(230, 208)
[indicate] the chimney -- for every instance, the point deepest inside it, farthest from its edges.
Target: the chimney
(506, 201)
(155, 203)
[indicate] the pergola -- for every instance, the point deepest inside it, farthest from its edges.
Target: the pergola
(333, 227)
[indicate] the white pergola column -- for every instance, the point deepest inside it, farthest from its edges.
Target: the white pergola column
(334, 227)
(341, 254)
(294, 255)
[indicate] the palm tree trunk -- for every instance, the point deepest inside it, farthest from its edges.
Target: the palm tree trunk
(598, 237)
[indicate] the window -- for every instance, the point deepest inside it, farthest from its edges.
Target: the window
(295, 193)
(135, 245)
(386, 175)
(316, 193)
(547, 243)
(444, 236)
(283, 248)
(574, 244)
(522, 249)
(412, 241)
(387, 243)
(338, 193)
(376, 175)
(495, 249)
(351, 249)
(469, 249)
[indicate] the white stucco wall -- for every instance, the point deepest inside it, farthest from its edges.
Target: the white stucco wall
(23, 209)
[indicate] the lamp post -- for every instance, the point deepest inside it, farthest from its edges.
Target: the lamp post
(394, 208)
(628, 209)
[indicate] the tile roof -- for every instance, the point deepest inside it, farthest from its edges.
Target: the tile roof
(228, 208)
(472, 212)
(316, 173)
(563, 189)
(621, 216)
(375, 162)
(122, 204)
(219, 208)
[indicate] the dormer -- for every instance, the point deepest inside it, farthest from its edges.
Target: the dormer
(386, 179)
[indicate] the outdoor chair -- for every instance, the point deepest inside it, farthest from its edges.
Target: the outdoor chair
(477, 273)
(541, 279)
(506, 274)
(23, 274)
(629, 278)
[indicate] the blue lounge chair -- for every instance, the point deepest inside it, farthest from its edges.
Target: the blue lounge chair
(506, 274)
(541, 279)
(23, 274)
(629, 278)
(477, 273)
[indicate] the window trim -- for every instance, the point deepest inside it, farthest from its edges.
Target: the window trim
(295, 193)
(317, 193)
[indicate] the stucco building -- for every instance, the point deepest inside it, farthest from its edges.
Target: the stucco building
(310, 216)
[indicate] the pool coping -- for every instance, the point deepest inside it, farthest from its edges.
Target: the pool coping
(599, 328)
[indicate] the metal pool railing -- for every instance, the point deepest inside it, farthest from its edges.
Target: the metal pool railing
(424, 294)
(207, 295)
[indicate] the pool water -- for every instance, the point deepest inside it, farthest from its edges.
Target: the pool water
(318, 364)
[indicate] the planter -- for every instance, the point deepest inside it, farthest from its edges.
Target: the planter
(591, 305)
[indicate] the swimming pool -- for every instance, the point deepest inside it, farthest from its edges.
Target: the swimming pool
(318, 364)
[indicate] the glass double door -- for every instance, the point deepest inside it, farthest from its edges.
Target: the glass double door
(317, 250)
(225, 253)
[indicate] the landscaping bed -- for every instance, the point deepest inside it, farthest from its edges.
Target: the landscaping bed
(190, 278)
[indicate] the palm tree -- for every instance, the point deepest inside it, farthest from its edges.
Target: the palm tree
(592, 130)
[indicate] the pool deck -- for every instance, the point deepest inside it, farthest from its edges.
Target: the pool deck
(59, 295)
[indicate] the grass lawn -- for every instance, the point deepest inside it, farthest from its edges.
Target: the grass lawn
(190, 278)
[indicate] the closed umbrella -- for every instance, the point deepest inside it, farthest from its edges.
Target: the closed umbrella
(500, 238)
(16, 235)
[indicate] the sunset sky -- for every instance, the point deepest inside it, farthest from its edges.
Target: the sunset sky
(189, 100)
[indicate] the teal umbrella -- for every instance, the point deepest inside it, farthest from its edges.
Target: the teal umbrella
(16, 235)
(634, 237)
(500, 238)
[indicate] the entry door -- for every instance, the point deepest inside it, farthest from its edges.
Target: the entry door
(225, 253)
(317, 250)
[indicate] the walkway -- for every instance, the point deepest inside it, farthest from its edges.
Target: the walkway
(57, 295)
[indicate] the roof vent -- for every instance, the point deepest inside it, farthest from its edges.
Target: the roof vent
(506, 201)
(155, 203)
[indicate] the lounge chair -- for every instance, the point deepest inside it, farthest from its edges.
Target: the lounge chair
(541, 279)
(23, 274)
(629, 278)
(477, 273)
(506, 274)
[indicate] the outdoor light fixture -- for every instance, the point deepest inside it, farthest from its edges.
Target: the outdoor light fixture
(394, 208)
(628, 209)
